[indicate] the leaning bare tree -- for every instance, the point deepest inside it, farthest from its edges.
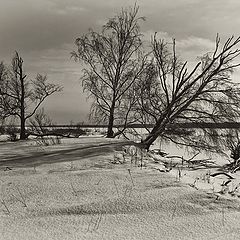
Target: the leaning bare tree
(22, 97)
(114, 61)
(172, 94)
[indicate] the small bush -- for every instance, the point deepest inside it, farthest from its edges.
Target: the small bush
(233, 145)
(2, 129)
(48, 141)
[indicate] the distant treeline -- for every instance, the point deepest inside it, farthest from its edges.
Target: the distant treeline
(176, 125)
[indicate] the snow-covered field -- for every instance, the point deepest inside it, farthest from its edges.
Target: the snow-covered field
(88, 188)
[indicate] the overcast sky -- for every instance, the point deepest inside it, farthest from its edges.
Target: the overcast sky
(43, 31)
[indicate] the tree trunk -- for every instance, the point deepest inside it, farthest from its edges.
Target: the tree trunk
(110, 133)
(22, 129)
(158, 129)
(22, 120)
(150, 139)
(22, 108)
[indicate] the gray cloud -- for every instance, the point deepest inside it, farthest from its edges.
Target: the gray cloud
(37, 25)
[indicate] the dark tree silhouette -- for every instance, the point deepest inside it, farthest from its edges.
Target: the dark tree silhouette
(172, 94)
(114, 62)
(21, 97)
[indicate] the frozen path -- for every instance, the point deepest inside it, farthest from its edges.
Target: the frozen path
(33, 156)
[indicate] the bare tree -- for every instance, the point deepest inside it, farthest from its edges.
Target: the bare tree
(40, 123)
(6, 106)
(114, 61)
(172, 94)
(22, 96)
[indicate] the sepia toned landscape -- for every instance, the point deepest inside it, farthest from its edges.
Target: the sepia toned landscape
(116, 123)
